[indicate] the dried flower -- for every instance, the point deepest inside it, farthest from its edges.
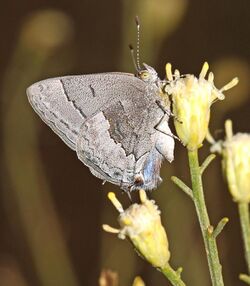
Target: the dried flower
(236, 163)
(108, 278)
(192, 98)
(141, 224)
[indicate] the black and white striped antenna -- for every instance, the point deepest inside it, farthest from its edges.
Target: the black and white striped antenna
(136, 60)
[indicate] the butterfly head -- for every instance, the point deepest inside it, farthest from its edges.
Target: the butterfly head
(148, 74)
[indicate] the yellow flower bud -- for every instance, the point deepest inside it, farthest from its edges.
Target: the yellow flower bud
(192, 98)
(141, 224)
(236, 164)
(138, 282)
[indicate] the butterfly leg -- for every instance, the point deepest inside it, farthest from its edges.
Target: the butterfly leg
(167, 110)
(161, 127)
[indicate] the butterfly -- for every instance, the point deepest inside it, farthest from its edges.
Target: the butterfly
(116, 122)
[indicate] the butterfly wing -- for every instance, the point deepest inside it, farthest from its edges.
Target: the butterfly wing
(64, 103)
(110, 120)
(122, 145)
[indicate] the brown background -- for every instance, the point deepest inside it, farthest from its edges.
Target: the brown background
(51, 207)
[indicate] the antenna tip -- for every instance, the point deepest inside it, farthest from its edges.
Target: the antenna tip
(130, 47)
(137, 21)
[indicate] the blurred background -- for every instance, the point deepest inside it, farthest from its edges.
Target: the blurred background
(51, 207)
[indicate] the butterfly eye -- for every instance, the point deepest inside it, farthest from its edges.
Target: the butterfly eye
(144, 75)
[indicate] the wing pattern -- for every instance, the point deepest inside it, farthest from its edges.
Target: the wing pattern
(110, 121)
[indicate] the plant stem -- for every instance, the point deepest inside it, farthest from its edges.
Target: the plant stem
(244, 221)
(201, 210)
(172, 275)
(220, 226)
(245, 278)
(182, 186)
(207, 161)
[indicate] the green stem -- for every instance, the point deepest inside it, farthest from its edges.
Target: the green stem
(245, 278)
(201, 210)
(207, 161)
(220, 226)
(182, 186)
(244, 221)
(173, 276)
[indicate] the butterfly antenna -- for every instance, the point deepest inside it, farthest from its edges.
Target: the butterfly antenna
(136, 59)
(137, 21)
(133, 57)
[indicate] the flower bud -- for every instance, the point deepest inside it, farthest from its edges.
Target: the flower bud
(141, 224)
(236, 164)
(138, 281)
(192, 98)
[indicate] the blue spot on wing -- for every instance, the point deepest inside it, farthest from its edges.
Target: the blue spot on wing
(151, 170)
(148, 172)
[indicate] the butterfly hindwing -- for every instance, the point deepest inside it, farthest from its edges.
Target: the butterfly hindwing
(119, 143)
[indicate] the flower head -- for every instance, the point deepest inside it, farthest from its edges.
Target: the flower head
(141, 224)
(235, 152)
(192, 98)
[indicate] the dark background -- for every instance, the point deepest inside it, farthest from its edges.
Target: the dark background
(51, 207)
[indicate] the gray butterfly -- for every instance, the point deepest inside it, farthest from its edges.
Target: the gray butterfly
(116, 122)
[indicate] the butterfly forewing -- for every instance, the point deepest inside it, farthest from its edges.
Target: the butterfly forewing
(65, 102)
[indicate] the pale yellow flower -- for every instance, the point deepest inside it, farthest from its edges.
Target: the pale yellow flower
(141, 224)
(236, 163)
(192, 98)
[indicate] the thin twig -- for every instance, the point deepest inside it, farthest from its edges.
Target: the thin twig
(245, 278)
(220, 226)
(206, 162)
(182, 186)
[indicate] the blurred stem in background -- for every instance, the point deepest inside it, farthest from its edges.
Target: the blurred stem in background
(42, 34)
(159, 18)
(245, 228)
